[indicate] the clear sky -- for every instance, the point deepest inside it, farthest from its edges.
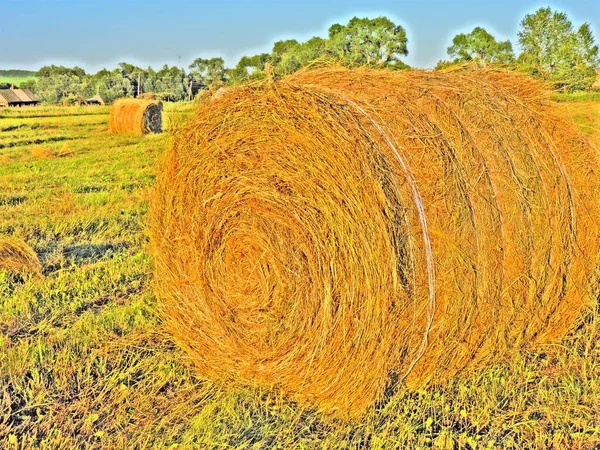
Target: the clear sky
(100, 33)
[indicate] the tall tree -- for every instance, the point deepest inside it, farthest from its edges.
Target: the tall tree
(134, 74)
(289, 56)
(480, 46)
(374, 42)
(113, 85)
(56, 84)
(249, 67)
(553, 50)
(172, 84)
(208, 71)
(282, 47)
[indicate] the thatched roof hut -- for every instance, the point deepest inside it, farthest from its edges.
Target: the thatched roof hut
(18, 97)
(95, 100)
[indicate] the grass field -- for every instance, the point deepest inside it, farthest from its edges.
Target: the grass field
(15, 80)
(580, 96)
(84, 363)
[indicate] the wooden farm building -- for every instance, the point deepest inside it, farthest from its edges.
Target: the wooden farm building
(18, 97)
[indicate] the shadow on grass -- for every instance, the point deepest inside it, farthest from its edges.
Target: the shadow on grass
(12, 200)
(90, 253)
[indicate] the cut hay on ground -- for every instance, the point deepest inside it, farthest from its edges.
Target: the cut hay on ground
(18, 257)
(133, 116)
(40, 152)
(343, 231)
(211, 94)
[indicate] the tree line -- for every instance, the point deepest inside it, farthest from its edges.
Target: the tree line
(58, 84)
(552, 49)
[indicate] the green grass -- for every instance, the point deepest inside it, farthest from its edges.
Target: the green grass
(580, 96)
(15, 80)
(49, 111)
(84, 362)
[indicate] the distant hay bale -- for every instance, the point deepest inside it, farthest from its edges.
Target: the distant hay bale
(211, 94)
(343, 231)
(134, 116)
(16, 256)
(219, 93)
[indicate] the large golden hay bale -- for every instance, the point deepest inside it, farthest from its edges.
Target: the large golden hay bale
(16, 256)
(135, 116)
(341, 229)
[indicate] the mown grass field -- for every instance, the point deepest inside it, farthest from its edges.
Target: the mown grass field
(84, 362)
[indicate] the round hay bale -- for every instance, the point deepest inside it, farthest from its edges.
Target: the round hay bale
(135, 116)
(18, 257)
(343, 230)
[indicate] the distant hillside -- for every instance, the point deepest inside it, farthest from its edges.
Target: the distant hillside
(14, 73)
(14, 77)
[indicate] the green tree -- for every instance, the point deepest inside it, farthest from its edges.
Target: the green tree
(553, 50)
(48, 71)
(208, 71)
(56, 84)
(172, 84)
(282, 47)
(376, 42)
(480, 46)
(150, 80)
(443, 64)
(373, 42)
(134, 74)
(249, 67)
(129, 70)
(113, 85)
(289, 56)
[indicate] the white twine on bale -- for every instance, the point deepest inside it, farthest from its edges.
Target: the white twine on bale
(425, 230)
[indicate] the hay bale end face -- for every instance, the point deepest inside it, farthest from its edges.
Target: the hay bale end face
(135, 116)
(342, 228)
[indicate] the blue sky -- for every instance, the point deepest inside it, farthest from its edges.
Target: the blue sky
(100, 33)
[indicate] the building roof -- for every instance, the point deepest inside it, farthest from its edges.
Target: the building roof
(9, 96)
(96, 98)
(18, 96)
(26, 95)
